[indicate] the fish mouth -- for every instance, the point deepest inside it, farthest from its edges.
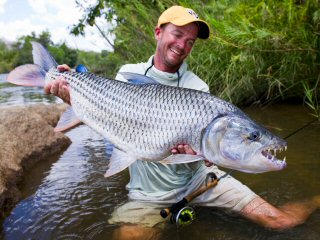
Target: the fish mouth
(270, 154)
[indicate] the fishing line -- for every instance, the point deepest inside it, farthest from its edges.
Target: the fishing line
(299, 129)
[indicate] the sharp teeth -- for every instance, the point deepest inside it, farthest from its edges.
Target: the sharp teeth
(284, 159)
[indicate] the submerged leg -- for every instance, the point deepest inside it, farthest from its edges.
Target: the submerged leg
(283, 217)
(136, 232)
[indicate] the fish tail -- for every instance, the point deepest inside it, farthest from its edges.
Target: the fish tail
(27, 75)
(42, 57)
(33, 74)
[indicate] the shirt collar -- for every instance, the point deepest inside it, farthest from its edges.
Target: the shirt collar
(161, 76)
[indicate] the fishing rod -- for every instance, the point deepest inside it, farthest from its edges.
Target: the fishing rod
(183, 215)
(299, 129)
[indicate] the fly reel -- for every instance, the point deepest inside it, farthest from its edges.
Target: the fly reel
(184, 217)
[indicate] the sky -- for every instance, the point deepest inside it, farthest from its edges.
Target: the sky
(21, 17)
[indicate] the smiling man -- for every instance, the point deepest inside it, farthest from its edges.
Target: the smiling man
(174, 45)
(153, 183)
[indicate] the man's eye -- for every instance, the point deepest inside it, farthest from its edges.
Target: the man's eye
(190, 43)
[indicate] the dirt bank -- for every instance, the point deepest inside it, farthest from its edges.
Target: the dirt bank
(26, 137)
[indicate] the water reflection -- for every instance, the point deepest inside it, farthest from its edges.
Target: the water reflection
(74, 198)
(67, 197)
(19, 95)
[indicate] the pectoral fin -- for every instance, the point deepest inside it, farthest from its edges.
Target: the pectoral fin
(119, 161)
(138, 79)
(67, 121)
(182, 158)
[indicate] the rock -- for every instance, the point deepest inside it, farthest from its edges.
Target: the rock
(26, 137)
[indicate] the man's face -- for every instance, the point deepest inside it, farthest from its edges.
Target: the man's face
(174, 44)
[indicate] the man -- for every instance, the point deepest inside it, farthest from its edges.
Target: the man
(176, 32)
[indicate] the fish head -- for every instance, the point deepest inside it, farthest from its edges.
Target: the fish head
(236, 142)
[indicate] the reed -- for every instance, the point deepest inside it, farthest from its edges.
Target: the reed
(260, 52)
(311, 98)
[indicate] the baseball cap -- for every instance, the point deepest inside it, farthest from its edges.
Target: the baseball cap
(181, 16)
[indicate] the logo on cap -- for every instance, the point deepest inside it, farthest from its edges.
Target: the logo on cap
(191, 12)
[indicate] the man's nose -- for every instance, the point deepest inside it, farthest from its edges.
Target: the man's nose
(182, 45)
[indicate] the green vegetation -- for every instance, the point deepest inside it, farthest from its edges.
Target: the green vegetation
(7, 57)
(260, 52)
(19, 52)
(311, 97)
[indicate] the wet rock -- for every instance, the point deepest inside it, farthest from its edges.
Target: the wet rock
(26, 137)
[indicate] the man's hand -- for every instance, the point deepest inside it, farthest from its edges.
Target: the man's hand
(183, 149)
(186, 149)
(59, 87)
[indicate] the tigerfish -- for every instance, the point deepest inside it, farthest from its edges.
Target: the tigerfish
(144, 119)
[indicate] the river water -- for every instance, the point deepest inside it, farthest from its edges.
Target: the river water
(67, 197)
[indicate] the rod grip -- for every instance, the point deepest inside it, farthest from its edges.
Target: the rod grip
(165, 212)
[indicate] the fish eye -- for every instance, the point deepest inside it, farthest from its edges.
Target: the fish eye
(254, 136)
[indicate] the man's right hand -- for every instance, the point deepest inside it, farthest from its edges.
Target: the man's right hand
(59, 87)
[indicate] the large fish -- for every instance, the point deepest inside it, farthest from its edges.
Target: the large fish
(145, 120)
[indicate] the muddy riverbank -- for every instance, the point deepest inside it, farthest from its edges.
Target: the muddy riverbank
(26, 137)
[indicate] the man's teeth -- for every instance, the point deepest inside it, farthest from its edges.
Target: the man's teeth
(176, 51)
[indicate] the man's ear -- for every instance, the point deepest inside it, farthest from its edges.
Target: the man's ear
(157, 32)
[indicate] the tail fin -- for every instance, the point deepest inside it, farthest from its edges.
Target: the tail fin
(27, 75)
(33, 74)
(42, 57)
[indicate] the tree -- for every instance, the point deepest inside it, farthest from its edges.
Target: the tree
(45, 39)
(259, 52)
(7, 56)
(61, 52)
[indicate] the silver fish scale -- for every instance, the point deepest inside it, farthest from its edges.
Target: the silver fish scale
(143, 120)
